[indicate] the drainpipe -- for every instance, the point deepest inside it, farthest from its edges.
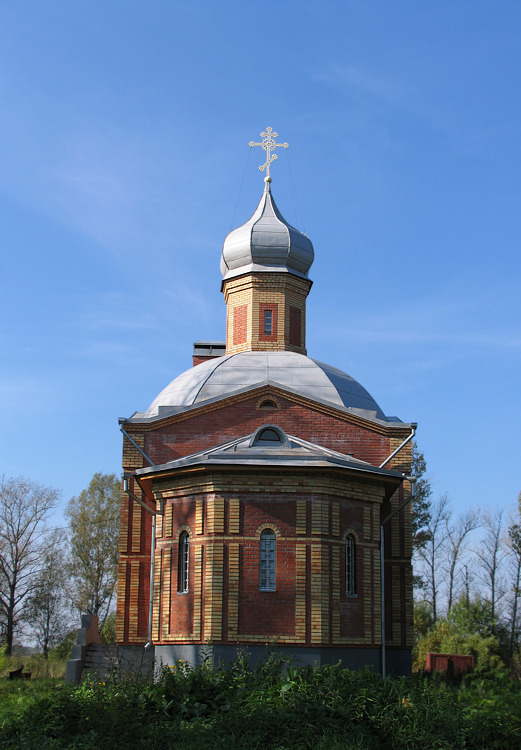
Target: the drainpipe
(136, 499)
(151, 586)
(412, 480)
(414, 426)
(122, 421)
(153, 513)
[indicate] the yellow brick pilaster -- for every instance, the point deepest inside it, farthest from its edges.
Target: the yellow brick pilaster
(156, 596)
(335, 594)
(198, 590)
(133, 603)
(136, 528)
(300, 592)
(166, 592)
(199, 516)
(213, 601)
(319, 594)
(215, 515)
(168, 523)
(233, 591)
(234, 516)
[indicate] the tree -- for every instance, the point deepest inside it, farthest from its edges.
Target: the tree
(421, 509)
(431, 553)
(94, 530)
(456, 535)
(24, 507)
(513, 542)
(45, 608)
(468, 629)
(490, 554)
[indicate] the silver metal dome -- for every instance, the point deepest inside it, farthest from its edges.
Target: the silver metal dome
(266, 243)
(222, 376)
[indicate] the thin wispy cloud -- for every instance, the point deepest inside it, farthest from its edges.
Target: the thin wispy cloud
(451, 325)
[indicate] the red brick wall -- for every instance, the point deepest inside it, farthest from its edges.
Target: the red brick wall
(198, 432)
(295, 326)
(267, 612)
(240, 322)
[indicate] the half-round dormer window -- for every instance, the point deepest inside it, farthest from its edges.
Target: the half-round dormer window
(269, 435)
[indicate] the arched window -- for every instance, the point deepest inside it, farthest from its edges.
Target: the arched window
(269, 435)
(267, 561)
(268, 405)
(350, 565)
(183, 556)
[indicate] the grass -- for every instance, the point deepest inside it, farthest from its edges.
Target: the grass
(274, 706)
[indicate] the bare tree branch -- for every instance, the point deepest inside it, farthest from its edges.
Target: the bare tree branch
(24, 507)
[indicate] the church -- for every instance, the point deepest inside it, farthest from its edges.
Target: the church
(265, 503)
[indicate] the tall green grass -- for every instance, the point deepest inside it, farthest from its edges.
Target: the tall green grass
(276, 706)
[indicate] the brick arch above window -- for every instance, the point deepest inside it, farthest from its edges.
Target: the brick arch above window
(270, 526)
(184, 528)
(353, 533)
(262, 403)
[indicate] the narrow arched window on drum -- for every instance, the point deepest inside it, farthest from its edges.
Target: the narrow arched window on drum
(267, 561)
(182, 562)
(350, 565)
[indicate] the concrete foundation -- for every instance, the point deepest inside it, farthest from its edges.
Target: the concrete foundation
(398, 661)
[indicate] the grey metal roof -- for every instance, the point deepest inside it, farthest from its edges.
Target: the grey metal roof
(233, 373)
(291, 451)
(266, 242)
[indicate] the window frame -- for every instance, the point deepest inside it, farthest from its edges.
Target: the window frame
(183, 563)
(267, 560)
(267, 329)
(350, 564)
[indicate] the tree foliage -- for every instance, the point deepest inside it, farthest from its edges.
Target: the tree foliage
(421, 509)
(469, 628)
(94, 531)
(24, 508)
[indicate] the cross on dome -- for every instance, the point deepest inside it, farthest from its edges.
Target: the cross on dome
(268, 144)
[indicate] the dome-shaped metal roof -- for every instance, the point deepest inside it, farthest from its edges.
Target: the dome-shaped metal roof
(222, 376)
(266, 243)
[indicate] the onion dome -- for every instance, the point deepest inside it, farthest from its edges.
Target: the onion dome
(266, 242)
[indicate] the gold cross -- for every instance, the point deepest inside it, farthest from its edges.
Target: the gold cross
(268, 144)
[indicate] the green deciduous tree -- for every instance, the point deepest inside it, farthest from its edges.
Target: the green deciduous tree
(24, 507)
(93, 536)
(421, 509)
(467, 629)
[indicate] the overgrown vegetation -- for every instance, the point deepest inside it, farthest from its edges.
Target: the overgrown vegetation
(275, 705)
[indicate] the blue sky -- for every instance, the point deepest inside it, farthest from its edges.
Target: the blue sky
(124, 162)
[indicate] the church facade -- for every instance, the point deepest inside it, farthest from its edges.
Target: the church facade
(256, 484)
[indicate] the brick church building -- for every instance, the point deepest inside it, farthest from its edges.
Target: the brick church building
(256, 484)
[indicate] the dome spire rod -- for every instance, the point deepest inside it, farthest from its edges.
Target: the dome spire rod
(268, 144)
